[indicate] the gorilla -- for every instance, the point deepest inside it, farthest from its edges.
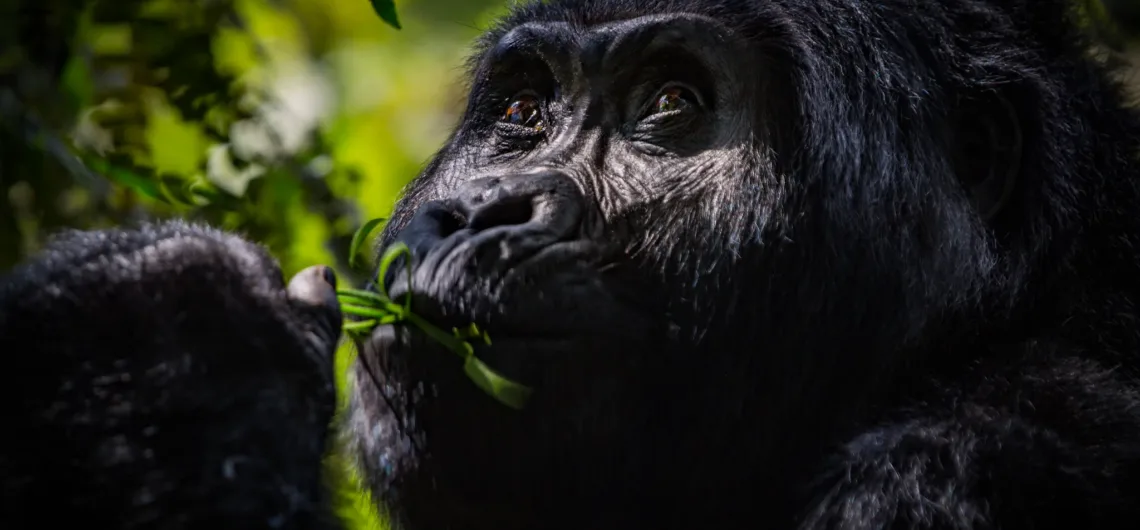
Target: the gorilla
(787, 264)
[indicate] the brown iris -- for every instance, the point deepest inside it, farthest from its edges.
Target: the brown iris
(525, 112)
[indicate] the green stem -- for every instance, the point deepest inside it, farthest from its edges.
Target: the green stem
(461, 348)
(362, 325)
(362, 295)
(363, 311)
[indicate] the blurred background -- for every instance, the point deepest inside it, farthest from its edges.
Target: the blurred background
(291, 122)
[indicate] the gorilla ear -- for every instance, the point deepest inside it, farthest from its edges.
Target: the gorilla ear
(988, 151)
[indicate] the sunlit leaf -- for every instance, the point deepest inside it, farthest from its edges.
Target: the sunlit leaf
(140, 183)
(502, 389)
(358, 239)
(396, 250)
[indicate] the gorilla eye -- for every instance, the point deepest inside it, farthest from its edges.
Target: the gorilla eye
(524, 111)
(673, 98)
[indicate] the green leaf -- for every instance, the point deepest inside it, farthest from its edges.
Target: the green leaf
(507, 392)
(387, 11)
(138, 183)
(445, 339)
(504, 390)
(175, 191)
(359, 237)
(390, 255)
(362, 311)
(361, 297)
(361, 326)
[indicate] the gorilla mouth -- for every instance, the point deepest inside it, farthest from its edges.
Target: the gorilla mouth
(383, 310)
(517, 260)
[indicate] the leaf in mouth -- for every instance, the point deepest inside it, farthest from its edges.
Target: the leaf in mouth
(379, 309)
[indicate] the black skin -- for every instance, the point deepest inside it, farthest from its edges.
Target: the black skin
(874, 267)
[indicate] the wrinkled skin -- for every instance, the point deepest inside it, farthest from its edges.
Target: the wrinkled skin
(789, 264)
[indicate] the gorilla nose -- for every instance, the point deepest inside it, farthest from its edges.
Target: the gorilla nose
(494, 222)
(549, 200)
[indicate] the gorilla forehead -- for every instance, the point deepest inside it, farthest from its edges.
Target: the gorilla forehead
(604, 47)
(915, 49)
(826, 28)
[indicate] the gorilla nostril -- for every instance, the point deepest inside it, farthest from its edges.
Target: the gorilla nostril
(544, 200)
(451, 223)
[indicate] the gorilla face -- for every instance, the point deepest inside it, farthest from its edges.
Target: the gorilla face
(671, 221)
(533, 223)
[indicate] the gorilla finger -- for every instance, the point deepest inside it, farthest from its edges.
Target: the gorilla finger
(315, 286)
(313, 290)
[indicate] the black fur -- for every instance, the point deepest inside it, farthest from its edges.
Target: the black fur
(162, 378)
(880, 273)
(822, 320)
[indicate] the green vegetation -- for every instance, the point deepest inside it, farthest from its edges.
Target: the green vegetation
(287, 121)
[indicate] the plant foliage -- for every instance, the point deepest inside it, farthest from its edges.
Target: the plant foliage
(291, 122)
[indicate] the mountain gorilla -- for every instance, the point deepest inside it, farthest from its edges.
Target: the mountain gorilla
(815, 264)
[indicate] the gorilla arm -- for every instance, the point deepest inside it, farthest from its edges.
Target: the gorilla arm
(1044, 441)
(164, 377)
